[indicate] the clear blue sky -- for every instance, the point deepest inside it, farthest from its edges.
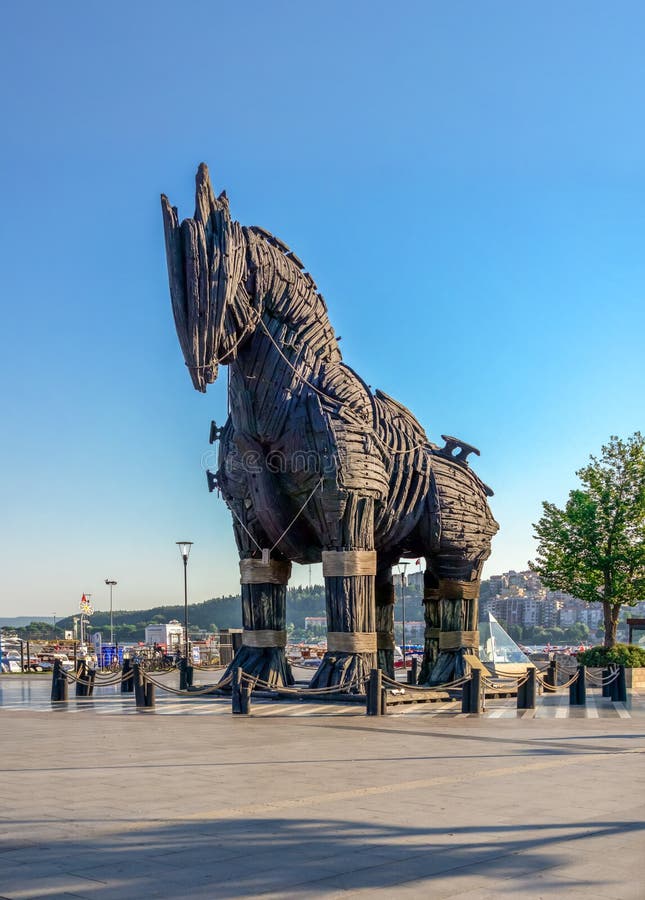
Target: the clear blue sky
(465, 181)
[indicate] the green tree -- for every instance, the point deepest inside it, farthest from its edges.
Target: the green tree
(594, 548)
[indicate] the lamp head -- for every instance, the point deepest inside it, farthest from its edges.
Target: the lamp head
(184, 549)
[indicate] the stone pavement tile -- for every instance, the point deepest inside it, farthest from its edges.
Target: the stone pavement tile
(511, 889)
(25, 887)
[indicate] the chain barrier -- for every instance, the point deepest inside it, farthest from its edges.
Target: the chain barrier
(196, 692)
(602, 680)
(558, 687)
(489, 681)
(74, 679)
(458, 682)
(305, 692)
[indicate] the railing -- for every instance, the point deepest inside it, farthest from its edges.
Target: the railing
(374, 691)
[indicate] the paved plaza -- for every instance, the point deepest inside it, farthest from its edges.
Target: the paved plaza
(101, 801)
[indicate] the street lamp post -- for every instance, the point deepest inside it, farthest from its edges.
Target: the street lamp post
(403, 566)
(184, 549)
(111, 584)
(83, 614)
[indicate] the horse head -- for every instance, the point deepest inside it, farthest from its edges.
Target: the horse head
(210, 281)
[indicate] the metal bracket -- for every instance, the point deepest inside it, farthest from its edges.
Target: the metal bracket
(215, 433)
(452, 444)
(213, 483)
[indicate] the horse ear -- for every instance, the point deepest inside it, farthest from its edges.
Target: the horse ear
(205, 202)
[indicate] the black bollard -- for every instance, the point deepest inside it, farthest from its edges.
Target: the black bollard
(527, 692)
(578, 689)
(126, 683)
(91, 675)
(245, 696)
(621, 686)
(139, 688)
(55, 674)
(236, 692)
(59, 682)
(607, 689)
(185, 675)
(551, 676)
(81, 675)
(413, 672)
(149, 694)
(373, 700)
(471, 697)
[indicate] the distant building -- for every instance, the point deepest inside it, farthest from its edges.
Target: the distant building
(169, 636)
(314, 622)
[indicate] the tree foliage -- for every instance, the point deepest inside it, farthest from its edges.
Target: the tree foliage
(594, 548)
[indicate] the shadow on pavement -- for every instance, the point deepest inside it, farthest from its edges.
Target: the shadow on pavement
(294, 857)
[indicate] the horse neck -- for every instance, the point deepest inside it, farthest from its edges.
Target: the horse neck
(292, 342)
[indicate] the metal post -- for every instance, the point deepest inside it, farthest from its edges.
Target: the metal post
(81, 674)
(185, 675)
(149, 694)
(245, 696)
(413, 674)
(621, 686)
(236, 691)
(139, 691)
(126, 683)
(607, 689)
(527, 692)
(404, 567)
(471, 696)
(578, 689)
(91, 675)
(186, 608)
(22, 656)
(28, 658)
(111, 584)
(476, 691)
(374, 688)
(551, 676)
(55, 677)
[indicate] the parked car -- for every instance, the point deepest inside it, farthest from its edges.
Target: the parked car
(10, 665)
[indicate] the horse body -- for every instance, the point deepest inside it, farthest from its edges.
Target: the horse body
(312, 464)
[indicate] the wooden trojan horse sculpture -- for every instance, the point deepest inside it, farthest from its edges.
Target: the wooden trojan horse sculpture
(314, 466)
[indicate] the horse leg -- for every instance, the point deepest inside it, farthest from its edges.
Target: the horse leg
(264, 597)
(349, 594)
(385, 600)
(432, 616)
(459, 634)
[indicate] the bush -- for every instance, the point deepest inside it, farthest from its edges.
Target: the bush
(621, 655)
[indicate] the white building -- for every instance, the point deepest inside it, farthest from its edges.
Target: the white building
(170, 635)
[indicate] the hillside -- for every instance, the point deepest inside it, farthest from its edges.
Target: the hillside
(219, 612)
